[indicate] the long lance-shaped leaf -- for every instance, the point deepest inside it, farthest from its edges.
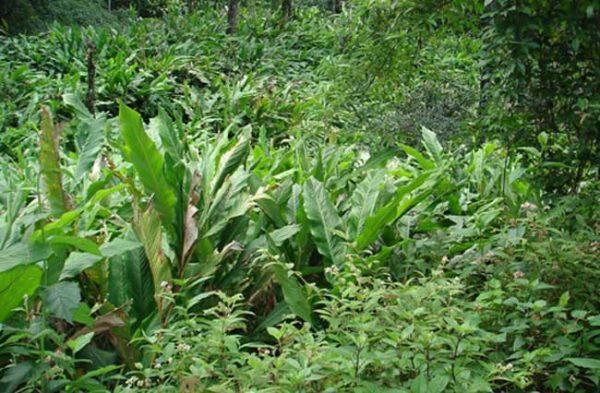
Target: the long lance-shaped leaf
(231, 160)
(190, 227)
(418, 156)
(92, 145)
(93, 128)
(324, 221)
(364, 201)
(149, 232)
(50, 165)
(130, 281)
(141, 151)
(432, 144)
(293, 292)
(392, 211)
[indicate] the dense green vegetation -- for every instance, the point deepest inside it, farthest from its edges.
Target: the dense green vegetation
(365, 196)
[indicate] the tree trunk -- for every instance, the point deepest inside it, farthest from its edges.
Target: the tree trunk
(90, 101)
(287, 9)
(232, 16)
(336, 6)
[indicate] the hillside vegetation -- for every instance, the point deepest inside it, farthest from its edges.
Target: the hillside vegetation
(360, 196)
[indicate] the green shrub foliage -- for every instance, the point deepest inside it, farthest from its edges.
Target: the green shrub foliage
(304, 204)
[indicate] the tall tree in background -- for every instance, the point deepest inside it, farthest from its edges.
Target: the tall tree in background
(543, 81)
(232, 11)
(287, 9)
(336, 6)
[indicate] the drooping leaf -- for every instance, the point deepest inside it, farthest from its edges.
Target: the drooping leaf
(93, 129)
(62, 299)
(16, 283)
(190, 226)
(364, 200)
(23, 254)
(130, 281)
(378, 160)
(276, 315)
(91, 147)
(14, 376)
(83, 315)
(118, 246)
(78, 343)
(432, 144)
(277, 236)
(75, 103)
(420, 158)
(392, 211)
(50, 164)
(590, 363)
(141, 151)
(324, 221)
(80, 243)
(293, 293)
(232, 159)
(169, 135)
(78, 262)
(149, 232)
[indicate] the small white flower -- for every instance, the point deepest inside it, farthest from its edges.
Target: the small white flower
(333, 270)
(527, 206)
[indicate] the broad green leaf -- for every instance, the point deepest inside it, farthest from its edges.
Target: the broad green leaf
(23, 254)
(364, 201)
(231, 160)
(80, 243)
(149, 232)
(14, 376)
(392, 211)
(83, 315)
(78, 343)
(590, 363)
(293, 293)
(73, 101)
(424, 162)
(278, 236)
(118, 246)
(130, 281)
(432, 144)
(378, 160)
(324, 221)
(141, 151)
(170, 137)
(78, 262)
(62, 299)
(16, 283)
(94, 130)
(276, 315)
(422, 385)
(50, 164)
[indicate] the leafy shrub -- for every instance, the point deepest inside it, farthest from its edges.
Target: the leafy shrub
(217, 218)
